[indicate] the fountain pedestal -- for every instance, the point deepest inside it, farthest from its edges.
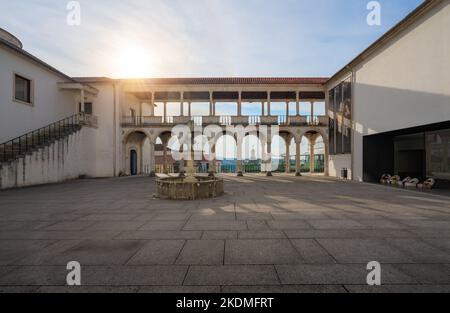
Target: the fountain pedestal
(188, 185)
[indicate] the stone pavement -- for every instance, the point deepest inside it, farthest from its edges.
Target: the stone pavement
(279, 234)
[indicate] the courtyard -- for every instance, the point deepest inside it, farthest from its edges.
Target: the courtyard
(267, 234)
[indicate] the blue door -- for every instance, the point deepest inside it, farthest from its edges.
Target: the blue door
(133, 162)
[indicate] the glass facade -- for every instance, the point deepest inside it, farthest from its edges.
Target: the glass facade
(438, 154)
(340, 115)
(331, 121)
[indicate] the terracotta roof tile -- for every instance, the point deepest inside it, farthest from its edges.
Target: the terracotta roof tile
(220, 80)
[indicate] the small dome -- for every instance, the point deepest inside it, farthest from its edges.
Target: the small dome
(7, 36)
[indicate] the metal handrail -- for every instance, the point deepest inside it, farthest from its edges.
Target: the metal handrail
(254, 120)
(197, 120)
(21, 145)
(226, 120)
(313, 120)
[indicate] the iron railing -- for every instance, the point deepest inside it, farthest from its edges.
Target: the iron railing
(282, 120)
(254, 120)
(197, 120)
(225, 120)
(313, 120)
(29, 142)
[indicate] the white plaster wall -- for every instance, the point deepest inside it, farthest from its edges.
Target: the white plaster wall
(50, 104)
(103, 108)
(129, 101)
(146, 156)
(405, 84)
(337, 162)
(63, 160)
(107, 160)
(140, 144)
(126, 101)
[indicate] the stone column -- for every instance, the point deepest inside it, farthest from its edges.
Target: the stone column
(240, 170)
(82, 107)
(165, 170)
(312, 141)
(189, 109)
(297, 103)
(239, 104)
(165, 112)
(214, 108)
(152, 159)
(268, 103)
(298, 160)
(287, 110)
(287, 158)
(182, 104)
(312, 112)
(263, 108)
(326, 157)
(269, 161)
(212, 162)
(263, 156)
(181, 162)
(211, 110)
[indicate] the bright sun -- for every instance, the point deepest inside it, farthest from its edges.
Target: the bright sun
(132, 62)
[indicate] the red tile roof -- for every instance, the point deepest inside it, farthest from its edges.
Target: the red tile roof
(221, 80)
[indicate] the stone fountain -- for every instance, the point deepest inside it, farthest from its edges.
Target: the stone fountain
(189, 185)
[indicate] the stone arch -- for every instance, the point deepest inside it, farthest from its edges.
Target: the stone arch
(163, 152)
(135, 130)
(314, 134)
(138, 141)
(221, 154)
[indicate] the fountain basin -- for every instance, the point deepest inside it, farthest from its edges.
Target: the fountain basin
(189, 188)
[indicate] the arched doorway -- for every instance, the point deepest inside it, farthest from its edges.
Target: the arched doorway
(314, 154)
(133, 162)
(252, 154)
(226, 154)
(136, 153)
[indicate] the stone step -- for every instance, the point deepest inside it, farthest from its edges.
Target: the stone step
(15, 149)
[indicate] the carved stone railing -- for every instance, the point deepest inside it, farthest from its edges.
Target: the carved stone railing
(88, 120)
(149, 121)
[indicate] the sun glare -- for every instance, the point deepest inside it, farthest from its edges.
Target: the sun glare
(132, 62)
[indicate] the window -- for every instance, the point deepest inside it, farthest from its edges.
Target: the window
(22, 89)
(319, 109)
(438, 154)
(87, 108)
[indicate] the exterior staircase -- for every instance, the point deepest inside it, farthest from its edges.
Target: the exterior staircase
(27, 144)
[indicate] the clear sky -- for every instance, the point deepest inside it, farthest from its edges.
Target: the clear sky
(192, 38)
(179, 38)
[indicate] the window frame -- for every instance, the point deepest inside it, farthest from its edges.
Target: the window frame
(86, 103)
(30, 87)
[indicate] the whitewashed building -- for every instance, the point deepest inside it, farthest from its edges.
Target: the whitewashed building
(387, 111)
